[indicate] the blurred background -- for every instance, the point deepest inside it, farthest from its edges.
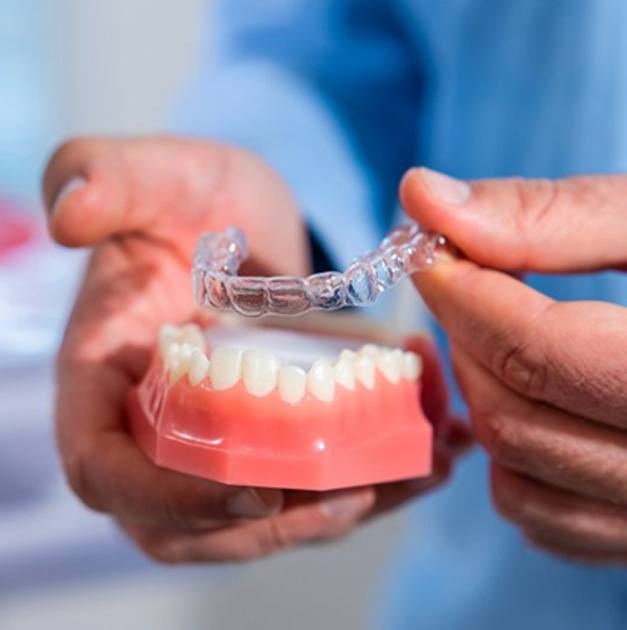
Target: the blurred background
(90, 67)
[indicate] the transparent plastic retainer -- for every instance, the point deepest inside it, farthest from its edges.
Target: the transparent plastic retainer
(406, 250)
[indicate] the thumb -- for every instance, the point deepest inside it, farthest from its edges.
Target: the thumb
(566, 225)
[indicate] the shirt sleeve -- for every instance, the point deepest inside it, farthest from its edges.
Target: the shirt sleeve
(326, 92)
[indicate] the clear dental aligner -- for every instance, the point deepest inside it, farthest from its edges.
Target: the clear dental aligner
(406, 250)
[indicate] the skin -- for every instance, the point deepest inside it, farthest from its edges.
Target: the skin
(545, 382)
(141, 204)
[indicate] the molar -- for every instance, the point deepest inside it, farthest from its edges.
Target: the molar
(320, 380)
(260, 370)
(349, 355)
(168, 334)
(369, 350)
(192, 334)
(225, 367)
(189, 334)
(412, 365)
(292, 381)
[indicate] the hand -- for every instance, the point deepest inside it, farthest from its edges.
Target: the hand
(545, 382)
(142, 204)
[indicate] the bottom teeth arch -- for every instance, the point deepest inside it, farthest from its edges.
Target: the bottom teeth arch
(261, 371)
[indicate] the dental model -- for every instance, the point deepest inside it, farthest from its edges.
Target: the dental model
(404, 251)
(312, 406)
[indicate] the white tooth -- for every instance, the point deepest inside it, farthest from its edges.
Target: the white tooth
(349, 355)
(225, 367)
(344, 372)
(168, 333)
(369, 350)
(320, 380)
(390, 363)
(198, 366)
(173, 363)
(292, 380)
(192, 334)
(185, 352)
(176, 371)
(171, 356)
(181, 362)
(412, 365)
(364, 370)
(260, 370)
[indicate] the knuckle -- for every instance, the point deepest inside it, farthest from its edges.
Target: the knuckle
(80, 479)
(178, 516)
(536, 199)
(68, 152)
(275, 536)
(158, 551)
(499, 435)
(161, 553)
(520, 367)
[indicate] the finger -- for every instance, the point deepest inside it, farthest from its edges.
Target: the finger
(535, 225)
(97, 188)
(459, 437)
(391, 496)
(578, 522)
(567, 354)
(573, 553)
(322, 517)
(539, 441)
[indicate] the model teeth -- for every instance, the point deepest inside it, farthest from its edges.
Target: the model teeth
(364, 371)
(349, 355)
(168, 335)
(225, 367)
(198, 367)
(320, 380)
(190, 334)
(370, 350)
(412, 366)
(292, 383)
(182, 353)
(390, 363)
(344, 372)
(260, 370)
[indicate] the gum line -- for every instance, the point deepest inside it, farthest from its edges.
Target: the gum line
(406, 250)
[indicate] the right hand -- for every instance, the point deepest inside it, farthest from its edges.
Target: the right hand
(142, 204)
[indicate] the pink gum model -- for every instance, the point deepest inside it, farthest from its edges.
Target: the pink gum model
(368, 431)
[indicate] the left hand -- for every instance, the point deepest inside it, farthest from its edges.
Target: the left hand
(142, 202)
(545, 381)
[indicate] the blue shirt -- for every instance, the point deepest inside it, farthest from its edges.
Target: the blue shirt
(342, 96)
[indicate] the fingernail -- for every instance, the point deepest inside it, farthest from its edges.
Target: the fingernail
(255, 503)
(444, 188)
(344, 507)
(70, 186)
